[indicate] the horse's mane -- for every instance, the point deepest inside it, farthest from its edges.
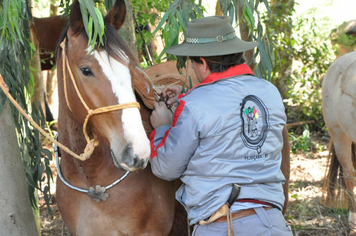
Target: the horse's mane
(113, 44)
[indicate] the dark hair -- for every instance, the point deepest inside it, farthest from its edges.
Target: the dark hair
(221, 63)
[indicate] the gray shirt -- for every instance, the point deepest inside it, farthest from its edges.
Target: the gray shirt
(225, 130)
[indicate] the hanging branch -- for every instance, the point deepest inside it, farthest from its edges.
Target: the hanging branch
(15, 54)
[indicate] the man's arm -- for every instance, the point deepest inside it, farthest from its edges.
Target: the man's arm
(172, 146)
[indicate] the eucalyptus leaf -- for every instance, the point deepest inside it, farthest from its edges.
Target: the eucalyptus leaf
(163, 20)
(182, 23)
(109, 4)
(198, 10)
(185, 14)
(90, 31)
(47, 198)
(174, 32)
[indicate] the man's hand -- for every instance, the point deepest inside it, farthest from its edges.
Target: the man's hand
(171, 92)
(161, 115)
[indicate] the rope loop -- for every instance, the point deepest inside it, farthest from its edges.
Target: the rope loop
(89, 149)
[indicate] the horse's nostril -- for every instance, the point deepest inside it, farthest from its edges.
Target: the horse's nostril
(128, 156)
(131, 159)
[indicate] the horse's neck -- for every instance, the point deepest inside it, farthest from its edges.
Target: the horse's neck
(71, 135)
(70, 131)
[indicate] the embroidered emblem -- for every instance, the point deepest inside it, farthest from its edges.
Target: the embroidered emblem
(255, 125)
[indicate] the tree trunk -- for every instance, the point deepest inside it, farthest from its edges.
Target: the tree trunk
(244, 32)
(280, 25)
(128, 29)
(51, 80)
(16, 216)
(157, 42)
(53, 9)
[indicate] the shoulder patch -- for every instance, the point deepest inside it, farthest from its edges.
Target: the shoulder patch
(255, 124)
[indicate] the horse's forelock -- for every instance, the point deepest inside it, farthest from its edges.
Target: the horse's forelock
(114, 45)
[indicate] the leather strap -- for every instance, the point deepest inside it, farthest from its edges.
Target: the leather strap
(240, 214)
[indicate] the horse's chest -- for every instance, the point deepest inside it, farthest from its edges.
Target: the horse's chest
(100, 219)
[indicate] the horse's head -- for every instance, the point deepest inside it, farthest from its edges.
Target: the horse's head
(104, 101)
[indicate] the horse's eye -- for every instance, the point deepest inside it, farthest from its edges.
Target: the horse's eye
(86, 71)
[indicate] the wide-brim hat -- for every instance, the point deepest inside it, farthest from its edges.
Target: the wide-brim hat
(211, 36)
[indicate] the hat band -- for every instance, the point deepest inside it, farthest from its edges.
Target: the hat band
(219, 39)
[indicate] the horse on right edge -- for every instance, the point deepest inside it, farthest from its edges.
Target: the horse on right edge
(339, 109)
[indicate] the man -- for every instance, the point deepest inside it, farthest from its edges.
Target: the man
(225, 137)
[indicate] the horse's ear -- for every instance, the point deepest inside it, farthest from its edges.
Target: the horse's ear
(76, 19)
(116, 16)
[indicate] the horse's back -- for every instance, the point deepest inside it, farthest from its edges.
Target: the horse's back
(343, 65)
(166, 73)
(339, 95)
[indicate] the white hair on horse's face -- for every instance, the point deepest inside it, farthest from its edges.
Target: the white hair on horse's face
(120, 52)
(120, 78)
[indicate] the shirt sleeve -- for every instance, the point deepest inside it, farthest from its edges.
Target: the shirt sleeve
(173, 146)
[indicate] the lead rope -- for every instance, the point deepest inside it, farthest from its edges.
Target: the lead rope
(44, 133)
(91, 143)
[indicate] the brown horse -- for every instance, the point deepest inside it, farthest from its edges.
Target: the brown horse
(48, 31)
(140, 204)
(339, 108)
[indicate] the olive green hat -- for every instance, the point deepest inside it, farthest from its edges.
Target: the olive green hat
(211, 36)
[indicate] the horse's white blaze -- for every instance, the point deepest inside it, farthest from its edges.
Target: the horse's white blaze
(120, 78)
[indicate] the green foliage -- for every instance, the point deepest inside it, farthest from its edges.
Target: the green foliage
(344, 39)
(93, 23)
(300, 142)
(279, 30)
(175, 21)
(15, 55)
(342, 42)
(339, 36)
(302, 54)
(146, 13)
(252, 17)
(313, 56)
(65, 4)
(92, 18)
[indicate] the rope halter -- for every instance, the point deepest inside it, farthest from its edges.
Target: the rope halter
(91, 143)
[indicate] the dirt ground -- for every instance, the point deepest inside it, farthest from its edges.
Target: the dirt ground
(306, 213)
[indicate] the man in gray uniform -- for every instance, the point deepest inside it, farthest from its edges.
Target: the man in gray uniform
(224, 139)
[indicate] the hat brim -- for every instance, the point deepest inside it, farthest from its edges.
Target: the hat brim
(231, 46)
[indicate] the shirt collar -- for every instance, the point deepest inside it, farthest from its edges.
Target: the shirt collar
(232, 71)
(241, 69)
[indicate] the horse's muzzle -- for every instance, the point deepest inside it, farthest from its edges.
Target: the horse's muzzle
(129, 160)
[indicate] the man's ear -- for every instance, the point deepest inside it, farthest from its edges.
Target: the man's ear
(205, 66)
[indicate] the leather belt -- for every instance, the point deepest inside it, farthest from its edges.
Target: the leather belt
(240, 214)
